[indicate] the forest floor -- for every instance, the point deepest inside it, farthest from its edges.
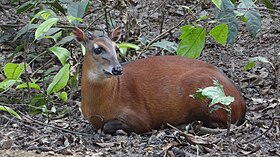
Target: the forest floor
(72, 135)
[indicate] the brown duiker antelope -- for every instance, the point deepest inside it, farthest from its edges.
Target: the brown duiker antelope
(147, 93)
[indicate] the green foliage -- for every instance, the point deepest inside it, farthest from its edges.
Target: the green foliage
(192, 41)
(252, 62)
(220, 33)
(166, 45)
(12, 72)
(38, 104)
(61, 53)
(63, 96)
(60, 80)
(124, 46)
(217, 3)
(217, 96)
(46, 24)
(31, 85)
(77, 9)
(10, 111)
(44, 27)
(226, 16)
(252, 15)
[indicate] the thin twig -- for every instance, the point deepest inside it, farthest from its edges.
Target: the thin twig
(271, 125)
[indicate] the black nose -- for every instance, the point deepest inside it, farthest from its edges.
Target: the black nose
(117, 70)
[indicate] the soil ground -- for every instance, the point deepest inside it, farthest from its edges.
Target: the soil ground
(71, 135)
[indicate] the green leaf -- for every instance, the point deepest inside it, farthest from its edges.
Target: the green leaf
(30, 85)
(124, 46)
(71, 19)
(252, 62)
(13, 71)
(6, 84)
(217, 3)
(220, 33)
(270, 6)
(44, 27)
(25, 7)
(167, 45)
(60, 80)
(226, 15)
(215, 94)
(61, 53)
(65, 40)
(252, 15)
(56, 5)
(55, 36)
(10, 111)
(77, 9)
(128, 45)
(63, 96)
(73, 80)
(192, 43)
(83, 49)
(50, 32)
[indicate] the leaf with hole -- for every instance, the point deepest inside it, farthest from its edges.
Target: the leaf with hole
(60, 80)
(215, 94)
(44, 27)
(220, 33)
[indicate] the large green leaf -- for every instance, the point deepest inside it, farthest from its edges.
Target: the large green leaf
(252, 15)
(77, 9)
(44, 27)
(10, 110)
(193, 42)
(215, 94)
(220, 33)
(13, 71)
(226, 15)
(61, 53)
(60, 80)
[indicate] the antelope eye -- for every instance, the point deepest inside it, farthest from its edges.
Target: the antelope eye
(97, 51)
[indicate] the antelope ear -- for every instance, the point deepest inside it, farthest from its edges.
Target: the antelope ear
(116, 34)
(79, 35)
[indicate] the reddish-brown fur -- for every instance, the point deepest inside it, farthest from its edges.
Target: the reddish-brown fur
(154, 91)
